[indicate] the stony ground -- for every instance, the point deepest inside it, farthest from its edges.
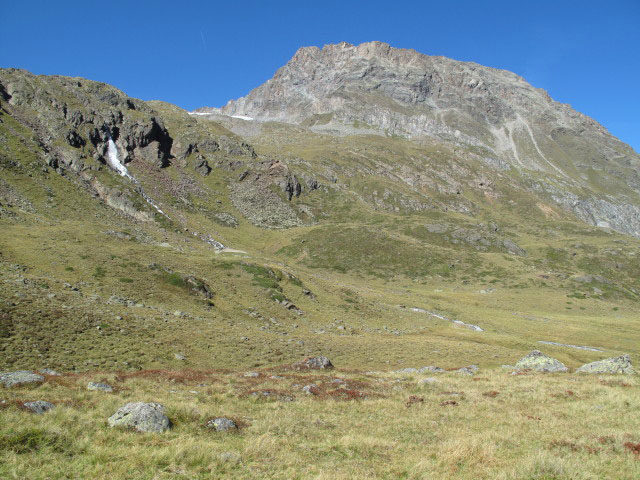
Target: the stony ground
(327, 425)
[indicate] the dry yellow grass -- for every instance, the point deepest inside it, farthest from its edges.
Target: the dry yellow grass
(491, 426)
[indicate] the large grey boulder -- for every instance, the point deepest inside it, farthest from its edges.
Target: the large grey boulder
(314, 363)
(621, 364)
(39, 406)
(539, 362)
(143, 417)
(20, 378)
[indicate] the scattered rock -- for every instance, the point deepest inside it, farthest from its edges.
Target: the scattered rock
(221, 424)
(311, 389)
(19, 378)
(202, 167)
(273, 394)
(251, 374)
(39, 406)
(539, 362)
(143, 417)
(314, 363)
(407, 370)
(427, 381)
(104, 387)
(621, 364)
(179, 356)
(49, 371)
(470, 370)
(431, 369)
(414, 399)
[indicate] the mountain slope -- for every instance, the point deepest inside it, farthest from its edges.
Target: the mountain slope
(493, 115)
(133, 231)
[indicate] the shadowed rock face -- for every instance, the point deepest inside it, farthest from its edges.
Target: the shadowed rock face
(621, 364)
(343, 88)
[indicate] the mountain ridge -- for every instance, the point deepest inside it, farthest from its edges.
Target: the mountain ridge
(494, 114)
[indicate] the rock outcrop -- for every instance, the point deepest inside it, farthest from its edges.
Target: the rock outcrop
(39, 406)
(314, 363)
(20, 378)
(374, 88)
(143, 417)
(621, 364)
(539, 362)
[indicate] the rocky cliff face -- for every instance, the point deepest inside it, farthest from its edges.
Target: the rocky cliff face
(494, 114)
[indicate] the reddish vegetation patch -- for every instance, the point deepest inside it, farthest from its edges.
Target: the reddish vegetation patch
(564, 444)
(574, 447)
(614, 383)
(451, 403)
(491, 394)
(346, 394)
(531, 417)
(478, 379)
(66, 381)
(175, 376)
(13, 403)
(633, 447)
(565, 394)
(414, 399)
(607, 439)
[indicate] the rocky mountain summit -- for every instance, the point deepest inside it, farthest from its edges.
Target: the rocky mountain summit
(491, 115)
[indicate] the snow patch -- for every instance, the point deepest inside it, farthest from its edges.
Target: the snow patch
(579, 347)
(242, 117)
(442, 317)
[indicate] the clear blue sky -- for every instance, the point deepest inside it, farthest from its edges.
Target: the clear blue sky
(202, 53)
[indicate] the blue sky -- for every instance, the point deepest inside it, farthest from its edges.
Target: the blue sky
(202, 53)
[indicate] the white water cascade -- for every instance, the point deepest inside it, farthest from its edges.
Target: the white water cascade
(113, 159)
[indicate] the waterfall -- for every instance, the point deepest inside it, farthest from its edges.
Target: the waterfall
(113, 159)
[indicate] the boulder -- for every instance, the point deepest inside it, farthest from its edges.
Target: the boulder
(621, 364)
(202, 167)
(314, 363)
(427, 381)
(470, 370)
(39, 406)
(539, 362)
(104, 387)
(20, 378)
(406, 370)
(49, 371)
(311, 389)
(431, 369)
(143, 417)
(221, 424)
